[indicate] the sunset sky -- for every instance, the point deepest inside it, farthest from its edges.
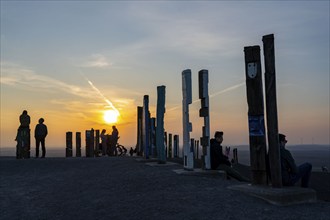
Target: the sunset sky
(67, 61)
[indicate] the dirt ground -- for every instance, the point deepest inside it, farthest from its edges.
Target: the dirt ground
(122, 188)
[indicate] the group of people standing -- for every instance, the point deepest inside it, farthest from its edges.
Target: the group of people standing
(23, 136)
(109, 142)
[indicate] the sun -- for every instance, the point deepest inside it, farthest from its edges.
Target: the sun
(110, 116)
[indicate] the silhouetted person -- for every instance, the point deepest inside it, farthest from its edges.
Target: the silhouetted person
(220, 161)
(24, 119)
(291, 174)
(40, 134)
(104, 142)
(23, 136)
(114, 140)
(131, 151)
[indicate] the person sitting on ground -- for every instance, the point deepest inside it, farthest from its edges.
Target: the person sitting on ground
(291, 174)
(220, 161)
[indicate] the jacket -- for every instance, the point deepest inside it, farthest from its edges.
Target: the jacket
(40, 131)
(288, 166)
(217, 156)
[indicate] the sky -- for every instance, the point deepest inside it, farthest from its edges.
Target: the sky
(69, 61)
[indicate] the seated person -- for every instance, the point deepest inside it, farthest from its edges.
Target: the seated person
(220, 161)
(291, 174)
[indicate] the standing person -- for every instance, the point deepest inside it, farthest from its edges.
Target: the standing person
(291, 174)
(114, 139)
(24, 119)
(104, 142)
(23, 136)
(40, 134)
(220, 161)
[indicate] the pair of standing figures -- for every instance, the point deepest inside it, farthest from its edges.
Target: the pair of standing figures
(23, 137)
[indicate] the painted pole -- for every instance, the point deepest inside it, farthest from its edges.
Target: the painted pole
(145, 126)
(91, 144)
(97, 143)
(68, 150)
(257, 134)
(188, 158)
(271, 109)
(192, 145)
(203, 80)
(169, 145)
(139, 144)
(197, 148)
(165, 143)
(160, 124)
(78, 144)
(153, 150)
(176, 146)
(160, 132)
(88, 141)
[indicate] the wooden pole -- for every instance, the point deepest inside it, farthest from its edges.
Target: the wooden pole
(192, 146)
(256, 115)
(91, 144)
(87, 140)
(153, 150)
(97, 143)
(68, 150)
(78, 144)
(165, 143)
(176, 145)
(203, 81)
(145, 126)
(169, 145)
(188, 158)
(197, 148)
(139, 143)
(271, 109)
(160, 124)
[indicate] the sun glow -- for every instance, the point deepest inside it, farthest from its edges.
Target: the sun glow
(110, 116)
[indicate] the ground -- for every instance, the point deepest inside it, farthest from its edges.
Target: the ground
(122, 188)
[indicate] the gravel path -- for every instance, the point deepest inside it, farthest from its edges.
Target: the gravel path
(122, 188)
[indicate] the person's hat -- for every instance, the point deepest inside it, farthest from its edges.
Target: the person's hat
(218, 134)
(281, 137)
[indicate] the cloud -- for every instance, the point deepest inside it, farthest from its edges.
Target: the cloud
(97, 61)
(15, 75)
(20, 77)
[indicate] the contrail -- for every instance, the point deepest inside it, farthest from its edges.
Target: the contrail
(214, 94)
(100, 93)
(227, 90)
